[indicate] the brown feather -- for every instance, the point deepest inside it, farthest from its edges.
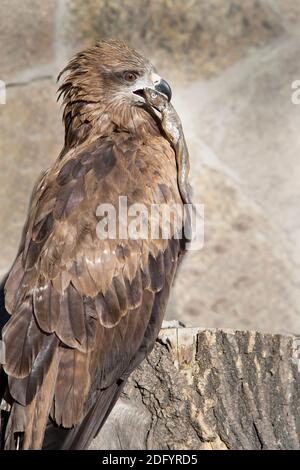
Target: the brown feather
(21, 354)
(68, 198)
(156, 270)
(24, 390)
(72, 383)
(46, 306)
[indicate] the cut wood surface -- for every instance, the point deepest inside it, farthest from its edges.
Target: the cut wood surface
(210, 389)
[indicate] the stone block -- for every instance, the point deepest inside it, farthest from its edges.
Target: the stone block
(31, 137)
(26, 38)
(184, 39)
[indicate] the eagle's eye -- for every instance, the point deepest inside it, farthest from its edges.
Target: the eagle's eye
(130, 76)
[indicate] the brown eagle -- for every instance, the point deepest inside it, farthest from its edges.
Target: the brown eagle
(81, 312)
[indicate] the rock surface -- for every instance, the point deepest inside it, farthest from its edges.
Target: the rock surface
(211, 389)
(31, 131)
(243, 131)
(27, 36)
(200, 38)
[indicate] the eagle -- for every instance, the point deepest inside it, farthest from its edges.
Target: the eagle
(80, 312)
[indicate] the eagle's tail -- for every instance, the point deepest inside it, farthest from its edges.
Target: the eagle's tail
(21, 427)
(80, 437)
(26, 424)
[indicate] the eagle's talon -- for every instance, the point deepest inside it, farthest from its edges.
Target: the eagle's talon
(166, 342)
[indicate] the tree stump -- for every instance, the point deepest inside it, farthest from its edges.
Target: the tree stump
(210, 389)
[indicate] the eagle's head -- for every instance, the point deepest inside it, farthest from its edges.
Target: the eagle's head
(104, 89)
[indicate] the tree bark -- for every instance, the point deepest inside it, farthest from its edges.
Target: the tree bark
(210, 389)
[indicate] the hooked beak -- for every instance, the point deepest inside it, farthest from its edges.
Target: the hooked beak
(163, 87)
(158, 84)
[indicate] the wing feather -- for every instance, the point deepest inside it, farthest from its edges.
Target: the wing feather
(23, 333)
(72, 383)
(85, 311)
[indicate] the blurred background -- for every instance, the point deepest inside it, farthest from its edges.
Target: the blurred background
(231, 65)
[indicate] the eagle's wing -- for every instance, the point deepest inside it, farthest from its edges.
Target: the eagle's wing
(85, 311)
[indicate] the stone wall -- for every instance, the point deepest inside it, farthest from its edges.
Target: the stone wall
(231, 65)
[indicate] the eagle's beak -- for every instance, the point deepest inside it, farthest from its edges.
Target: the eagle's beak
(163, 87)
(157, 84)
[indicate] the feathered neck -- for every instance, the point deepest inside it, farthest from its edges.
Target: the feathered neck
(86, 119)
